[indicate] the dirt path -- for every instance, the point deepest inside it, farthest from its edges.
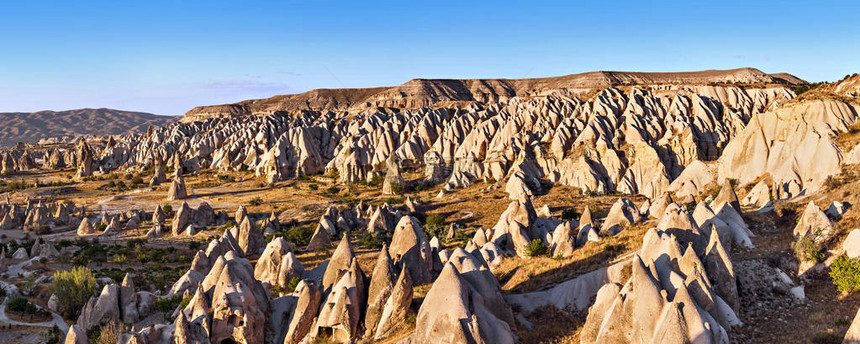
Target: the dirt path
(5, 320)
(823, 317)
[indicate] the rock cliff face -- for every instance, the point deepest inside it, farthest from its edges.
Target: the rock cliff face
(418, 93)
(794, 144)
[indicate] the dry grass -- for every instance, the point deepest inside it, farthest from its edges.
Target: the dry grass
(521, 275)
(551, 325)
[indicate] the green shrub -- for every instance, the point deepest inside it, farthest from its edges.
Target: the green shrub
(185, 301)
(394, 200)
(135, 242)
(397, 188)
(226, 226)
(800, 89)
(370, 240)
(119, 259)
(435, 225)
(845, 273)
(21, 305)
(52, 336)
(73, 289)
(536, 248)
(313, 187)
(299, 235)
(256, 201)
(569, 214)
(43, 230)
(168, 304)
(375, 181)
(806, 249)
(167, 209)
(293, 283)
(143, 258)
(90, 253)
(331, 190)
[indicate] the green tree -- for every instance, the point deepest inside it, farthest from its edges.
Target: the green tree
(73, 289)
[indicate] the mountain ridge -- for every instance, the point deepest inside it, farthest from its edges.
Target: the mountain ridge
(30, 127)
(420, 92)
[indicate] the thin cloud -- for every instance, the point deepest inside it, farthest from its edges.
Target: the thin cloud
(739, 56)
(764, 57)
(245, 85)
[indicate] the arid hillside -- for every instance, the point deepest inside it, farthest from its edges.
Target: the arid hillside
(419, 93)
(30, 127)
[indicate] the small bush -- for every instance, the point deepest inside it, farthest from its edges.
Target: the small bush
(256, 201)
(108, 333)
(807, 250)
(331, 190)
(167, 209)
(135, 242)
(536, 248)
(435, 225)
(119, 259)
(370, 240)
(43, 230)
(833, 182)
(293, 283)
(313, 187)
(185, 301)
(376, 181)
(845, 273)
(397, 188)
(21, 305)
(394, 200)
(168, 304)
(226, 226)
(298, 235)
(52, 336)
(569, 214)
(800, 89)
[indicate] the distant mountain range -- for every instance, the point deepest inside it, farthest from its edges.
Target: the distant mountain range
(418, 93)
(30, 127)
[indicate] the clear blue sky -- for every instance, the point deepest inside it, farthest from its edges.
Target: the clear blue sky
(166, 57)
